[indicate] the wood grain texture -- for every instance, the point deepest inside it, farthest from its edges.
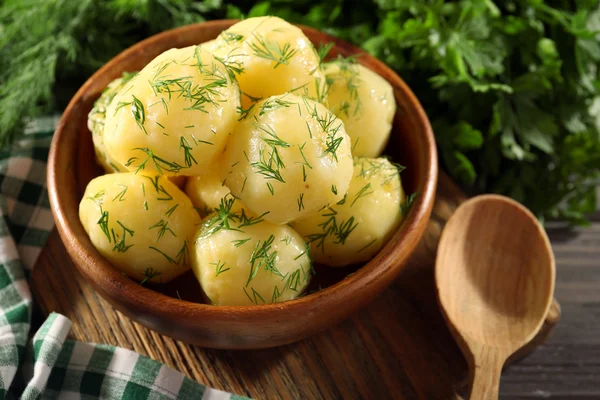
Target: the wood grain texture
(71, 166)
(494, 274)
(398, 346)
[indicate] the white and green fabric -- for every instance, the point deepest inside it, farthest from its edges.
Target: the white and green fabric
(49, 366)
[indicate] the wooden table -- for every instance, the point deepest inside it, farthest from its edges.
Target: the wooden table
(396, 347)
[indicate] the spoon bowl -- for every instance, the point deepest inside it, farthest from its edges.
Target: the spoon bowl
(495, 277)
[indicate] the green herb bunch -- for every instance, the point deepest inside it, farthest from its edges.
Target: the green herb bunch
(512, 87)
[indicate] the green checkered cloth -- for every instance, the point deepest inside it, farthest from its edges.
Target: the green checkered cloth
(49, 366)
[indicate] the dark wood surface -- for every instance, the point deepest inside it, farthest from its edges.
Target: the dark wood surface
(567, 366)
(398, 346)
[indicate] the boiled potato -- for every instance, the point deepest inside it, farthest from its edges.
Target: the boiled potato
(364, 101)
(96, 119)
(288, 158)
(208, 46)
(249, 261)
(174, 117)
(207, 190)
(355, 229)
(142, 224)
(270, 57)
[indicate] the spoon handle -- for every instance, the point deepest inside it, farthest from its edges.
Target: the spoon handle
(485, 373)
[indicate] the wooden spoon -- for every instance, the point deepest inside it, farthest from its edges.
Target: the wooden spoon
(495, 279)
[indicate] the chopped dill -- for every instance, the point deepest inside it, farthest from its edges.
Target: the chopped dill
(160, 190)
(120, 246)
(150, 273)
(159, 163)
(219, 267)
(273, 104)
(188, 157)
(164, 228)
(98, 198)
(239, 242)
(301, 202)
(364, 191)
(271, 50)
(121, 194)
(171, 210)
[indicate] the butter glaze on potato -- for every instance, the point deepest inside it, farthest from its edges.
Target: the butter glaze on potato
(364, 101)
(174, 117)
(249, 261)
(270, 57)
(288, 158)
(96, 122)
(141, 223)
(207, 190)
(354, 229)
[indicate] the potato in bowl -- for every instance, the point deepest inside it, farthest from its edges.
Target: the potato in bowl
(161, 308)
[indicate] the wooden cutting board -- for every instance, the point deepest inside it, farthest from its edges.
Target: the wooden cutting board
(398, 346)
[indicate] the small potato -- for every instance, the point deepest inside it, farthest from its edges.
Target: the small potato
(96, 120)
(142, 224)
(270, 56)
(207, 190)
(288, 158)
(174, 117)
(249, 261)
(365, 102)
(356, 228)
(208, 46)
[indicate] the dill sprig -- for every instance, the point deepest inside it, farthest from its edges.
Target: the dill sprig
(121, 246)
(231, 37)
(338, 231)
(171, 210)
(270, 163)
(160, 189)
(263, 257)
(149, 274)
(163, 228)
(219, 267)
(272, 50)
(405, 207)
(180, 258)
(98, 198)
(364, 191)
(370, 167)
(103, 223)
(185, 86)
(300, 202)
(245, 220)
(159, 162)
(224, 215)
(120, 196)
(239, 242)
(188, 158)
(254, 297)
(275, 104)
(323, 50)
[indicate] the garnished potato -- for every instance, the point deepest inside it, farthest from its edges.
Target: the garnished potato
(174, 117)
(354, 229)
(207, 190)
(141, 223)
(364, 101)
(208, 46)
(240, 259)
(288, 158)
(269, 57)
(97, 118)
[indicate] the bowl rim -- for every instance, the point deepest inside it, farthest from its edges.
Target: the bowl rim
(101, 274)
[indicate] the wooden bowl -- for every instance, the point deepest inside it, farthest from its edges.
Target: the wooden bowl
(71, 166)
